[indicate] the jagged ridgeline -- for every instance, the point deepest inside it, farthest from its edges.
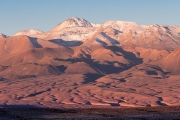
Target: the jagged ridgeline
(80, 47)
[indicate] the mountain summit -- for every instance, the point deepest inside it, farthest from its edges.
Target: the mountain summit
(124, 33)
(72, 22)
(29, 32)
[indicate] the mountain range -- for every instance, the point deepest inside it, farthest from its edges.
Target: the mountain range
(102, 44)
(106, 54)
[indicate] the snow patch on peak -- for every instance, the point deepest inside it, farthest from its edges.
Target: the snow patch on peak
(95, 24)
(29, 32)
(124, 26)
(77, 19)
(72, 22)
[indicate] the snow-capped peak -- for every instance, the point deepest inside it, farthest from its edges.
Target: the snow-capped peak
(29, 32)
(72, 22)
(124, 25)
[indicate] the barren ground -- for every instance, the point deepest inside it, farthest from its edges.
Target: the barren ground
(74, 91)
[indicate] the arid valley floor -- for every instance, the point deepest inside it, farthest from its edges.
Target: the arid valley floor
(74, 91)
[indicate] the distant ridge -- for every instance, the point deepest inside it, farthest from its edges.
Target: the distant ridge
(29, 32)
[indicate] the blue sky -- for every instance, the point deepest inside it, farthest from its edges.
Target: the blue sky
(18, 15)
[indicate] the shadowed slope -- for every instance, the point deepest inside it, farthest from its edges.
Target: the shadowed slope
(35, 55)
(66, 43)
(37, 62)
(143, 70)
(17, 44)
(171, 62)
(26, 70)
(148, 55)
(107, 59)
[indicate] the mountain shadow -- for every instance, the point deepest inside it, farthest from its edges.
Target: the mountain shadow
(89, 77)
(109, 67)
(35, 43)
(127, 55)
(67, 43)
(101, 42)
(18, 106)
(112, 40)
(31, 112)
